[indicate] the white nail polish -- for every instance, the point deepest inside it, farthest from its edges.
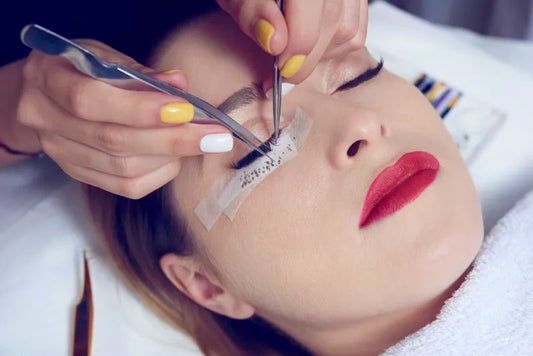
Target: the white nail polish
(216, 143)
(268, 94)
(285, 89)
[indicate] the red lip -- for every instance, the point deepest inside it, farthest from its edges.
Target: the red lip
(398, 185)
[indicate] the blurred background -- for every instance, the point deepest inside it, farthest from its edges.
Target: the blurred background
(501, 18)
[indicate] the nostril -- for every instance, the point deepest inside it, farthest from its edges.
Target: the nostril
(354, 148)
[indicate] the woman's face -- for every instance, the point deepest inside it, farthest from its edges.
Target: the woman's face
(295, 250)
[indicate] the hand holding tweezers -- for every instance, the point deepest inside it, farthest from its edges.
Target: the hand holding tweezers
(44, 40)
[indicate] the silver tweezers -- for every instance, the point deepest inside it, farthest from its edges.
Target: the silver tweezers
(44, 40)
(276, 90)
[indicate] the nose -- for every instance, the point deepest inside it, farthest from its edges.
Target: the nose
(356, 129)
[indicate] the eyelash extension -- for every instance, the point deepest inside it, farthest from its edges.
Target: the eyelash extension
(267, 146)
(251, 174)
(366, 76)
(253, 155)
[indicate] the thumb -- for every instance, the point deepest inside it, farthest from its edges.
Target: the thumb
(175, 77)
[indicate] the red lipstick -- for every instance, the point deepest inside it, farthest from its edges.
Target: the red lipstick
(398, 185)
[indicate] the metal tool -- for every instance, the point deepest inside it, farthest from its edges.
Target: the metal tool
(276, 91)
(44, 40)
(83, 322)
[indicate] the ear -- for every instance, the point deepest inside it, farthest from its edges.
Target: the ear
(184, 273)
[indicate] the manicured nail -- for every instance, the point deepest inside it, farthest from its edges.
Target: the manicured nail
(285, 89)
(293, 65)
(170, 71)
(216, 143)
(263, 32)
(177, 113)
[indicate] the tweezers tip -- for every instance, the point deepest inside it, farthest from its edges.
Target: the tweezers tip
(85, 251)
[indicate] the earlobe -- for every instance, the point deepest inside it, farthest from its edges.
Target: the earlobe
(184, 273)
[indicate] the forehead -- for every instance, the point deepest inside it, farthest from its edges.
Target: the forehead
(216, 56)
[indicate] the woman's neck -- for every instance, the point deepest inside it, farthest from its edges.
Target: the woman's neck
(375, 335)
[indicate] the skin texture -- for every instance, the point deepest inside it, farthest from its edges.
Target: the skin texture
(294, 254)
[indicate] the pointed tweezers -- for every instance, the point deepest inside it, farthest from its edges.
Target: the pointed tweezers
(83, 323)
(44, 40)
(276, 98)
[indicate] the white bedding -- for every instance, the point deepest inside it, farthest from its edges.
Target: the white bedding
(44, 225)
(491, 313)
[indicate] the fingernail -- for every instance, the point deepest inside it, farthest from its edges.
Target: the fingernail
(293, 65)
(285, 89)
(170, 71)
(263, 32)
(177, 113)
(216, 143)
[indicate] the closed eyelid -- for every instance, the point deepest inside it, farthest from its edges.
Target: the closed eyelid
(364, 77)
(252, 156)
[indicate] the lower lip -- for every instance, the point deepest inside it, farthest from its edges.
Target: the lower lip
(401, 195)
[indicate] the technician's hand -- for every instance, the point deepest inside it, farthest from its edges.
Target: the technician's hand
(123, 141)
(309, 31)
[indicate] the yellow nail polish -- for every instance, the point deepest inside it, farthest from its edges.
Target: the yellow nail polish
(293, 65)
(170, 71)
(177, 113)
(263, 32)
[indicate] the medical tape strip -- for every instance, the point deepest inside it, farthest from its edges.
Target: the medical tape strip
(227, 194)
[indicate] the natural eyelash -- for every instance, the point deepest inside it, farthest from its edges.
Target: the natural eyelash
(267, 146)
(366, 76)
(252, 156)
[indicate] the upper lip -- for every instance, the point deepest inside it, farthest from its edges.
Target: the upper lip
(407, 165)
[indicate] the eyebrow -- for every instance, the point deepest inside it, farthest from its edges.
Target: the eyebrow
(240, 98)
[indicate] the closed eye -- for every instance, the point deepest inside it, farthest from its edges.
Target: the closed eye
(360, 79)
(254, 155)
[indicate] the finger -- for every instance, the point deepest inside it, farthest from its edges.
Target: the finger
(351, 30)
(304, 19)
(133, 188)
(65, 150)
(360, 38)
(119, 140)
(349, 22)
(268, 88)
(109, 54)
(94, 100)
(175, 77)
(261, 20)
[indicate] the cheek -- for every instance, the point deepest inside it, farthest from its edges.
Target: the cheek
(278, 237)
(431, 243)
(290, 244)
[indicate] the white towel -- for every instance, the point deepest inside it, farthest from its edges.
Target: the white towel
(491, 313)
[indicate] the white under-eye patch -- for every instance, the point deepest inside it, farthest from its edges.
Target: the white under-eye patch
(228, 193)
